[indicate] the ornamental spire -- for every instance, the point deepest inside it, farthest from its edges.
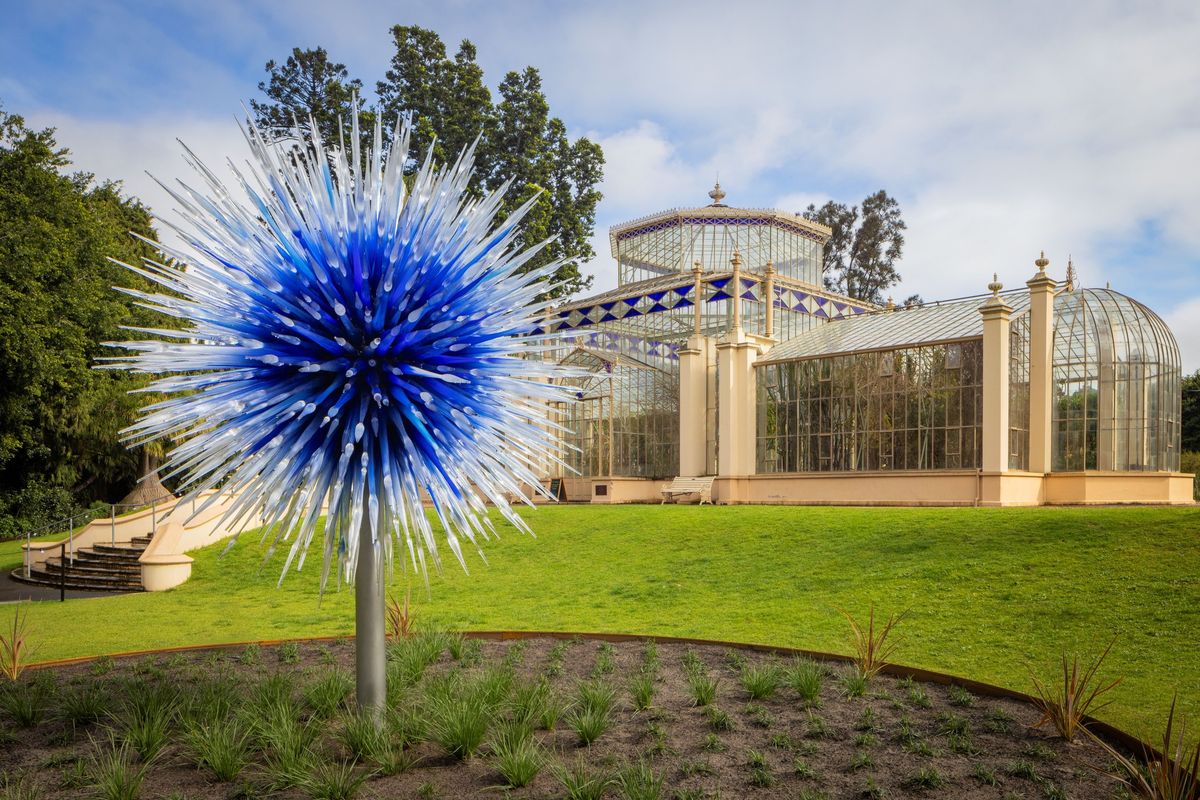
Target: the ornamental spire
(717, 194)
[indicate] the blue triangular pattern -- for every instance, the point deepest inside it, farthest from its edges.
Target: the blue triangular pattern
(839, 306)
(717, 296)
(608, 306)
(608, 318)
(798, 295)
(719, 283)
(656, 296)
(820, 312)
(683, 291)
(656, 307)
(684, 303)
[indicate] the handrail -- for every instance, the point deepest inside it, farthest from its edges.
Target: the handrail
(91, 515)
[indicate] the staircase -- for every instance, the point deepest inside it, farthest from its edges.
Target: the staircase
(99, 568)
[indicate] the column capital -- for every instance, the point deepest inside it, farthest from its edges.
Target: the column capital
(1041, 280)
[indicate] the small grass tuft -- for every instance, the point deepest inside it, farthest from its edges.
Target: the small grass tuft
(924, 779)
(873, 646)
(338, 780)
(760, 680)
(582, 781)
(804, 677)
(703, 687)
(639, 781)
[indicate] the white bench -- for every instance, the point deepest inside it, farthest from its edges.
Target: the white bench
(686, 487)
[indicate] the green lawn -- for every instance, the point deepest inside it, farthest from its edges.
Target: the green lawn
(990, 591)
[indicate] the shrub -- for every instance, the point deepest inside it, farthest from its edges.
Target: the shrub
(361, 735)
(1064, 704)
(15, 650)
(760, 681)
(873, 646)
(289, 653)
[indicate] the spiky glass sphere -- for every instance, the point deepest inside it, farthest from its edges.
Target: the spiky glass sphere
(349, 344)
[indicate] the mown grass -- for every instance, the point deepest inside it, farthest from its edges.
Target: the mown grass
(989, 591)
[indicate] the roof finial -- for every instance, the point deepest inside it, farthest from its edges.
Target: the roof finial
(891, 304)
(1072, 276)
(1041, 263)
(717, 194)
(995, 286)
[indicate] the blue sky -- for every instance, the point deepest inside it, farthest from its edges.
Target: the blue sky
(1002, 128)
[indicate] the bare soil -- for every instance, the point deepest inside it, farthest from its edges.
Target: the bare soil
(898, 740)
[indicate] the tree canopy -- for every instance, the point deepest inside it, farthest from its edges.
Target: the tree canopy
(867, 243)
(59, 417)
(451, 107)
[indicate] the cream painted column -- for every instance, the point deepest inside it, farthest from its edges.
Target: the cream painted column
(995, 380)
(1041, 367)
(736, 354)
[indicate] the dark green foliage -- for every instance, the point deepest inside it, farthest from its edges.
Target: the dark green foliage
(83, 704)
(329, 692)
(115, 771)
(854, 684)
(308, 86)
(146, 717)
(289, 653)
(961, 697)
(25, 702)
(59, 418)
(718, 720)
(1190, 415)
(861, 256)
(703, 686)
(641, 689)
(520, 141)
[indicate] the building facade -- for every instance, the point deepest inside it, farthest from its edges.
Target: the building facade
(721, 354)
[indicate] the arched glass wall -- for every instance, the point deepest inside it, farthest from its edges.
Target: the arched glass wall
(1116, 385)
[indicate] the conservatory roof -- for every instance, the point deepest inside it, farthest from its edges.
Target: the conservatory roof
(947, 320)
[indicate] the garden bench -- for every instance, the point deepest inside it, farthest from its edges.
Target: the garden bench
(686, 487)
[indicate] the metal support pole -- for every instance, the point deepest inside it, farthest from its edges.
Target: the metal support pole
(62, 573)
(112, 523)
(153, 518)
(28, 541)
(369, 634)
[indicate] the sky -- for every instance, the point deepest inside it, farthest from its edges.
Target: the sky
(1002, 128)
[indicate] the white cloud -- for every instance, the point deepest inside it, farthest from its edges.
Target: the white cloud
(1184, 321)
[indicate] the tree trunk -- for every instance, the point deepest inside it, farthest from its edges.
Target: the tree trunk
(149, 488)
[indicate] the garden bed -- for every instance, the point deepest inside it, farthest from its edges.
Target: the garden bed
(470, 716)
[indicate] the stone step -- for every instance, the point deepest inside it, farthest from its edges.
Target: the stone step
(97, 566)
(114, 550)
(93, 583)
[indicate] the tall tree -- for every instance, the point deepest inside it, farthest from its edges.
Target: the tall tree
(519, 141)
(867, 242)
(1190, 433)
(59, 417)
(447, 99)
(308, 85)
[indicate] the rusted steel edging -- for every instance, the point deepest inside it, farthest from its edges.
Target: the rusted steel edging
(1102, 729)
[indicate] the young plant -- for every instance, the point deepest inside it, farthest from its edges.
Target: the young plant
(361, 735)
(400, 617)
(24, 702)
(641, 688)
(328, 693)
(114, 770)
(805, 677)
(589, 723)
(760, 770)
(760, 681)
(459, 724)
(873, 646)
(640, 782)
(718, 720)
(1064, 704)
(1173, 775)
(334, 781)
(854, 684)
(605, 662)
(289, 653)
(221, 746)
(581, 781)
(925, 778)
(15, 650)
(961, 697)
(251, 656)
(148, 714)
(703, 687)
(517, 756)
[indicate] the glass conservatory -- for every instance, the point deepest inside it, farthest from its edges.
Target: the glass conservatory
(677, 280)
(1116, 385)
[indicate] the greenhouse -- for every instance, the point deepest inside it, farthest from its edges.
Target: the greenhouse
(721, 356)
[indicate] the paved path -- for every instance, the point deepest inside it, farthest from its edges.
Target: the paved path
(12, 592)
